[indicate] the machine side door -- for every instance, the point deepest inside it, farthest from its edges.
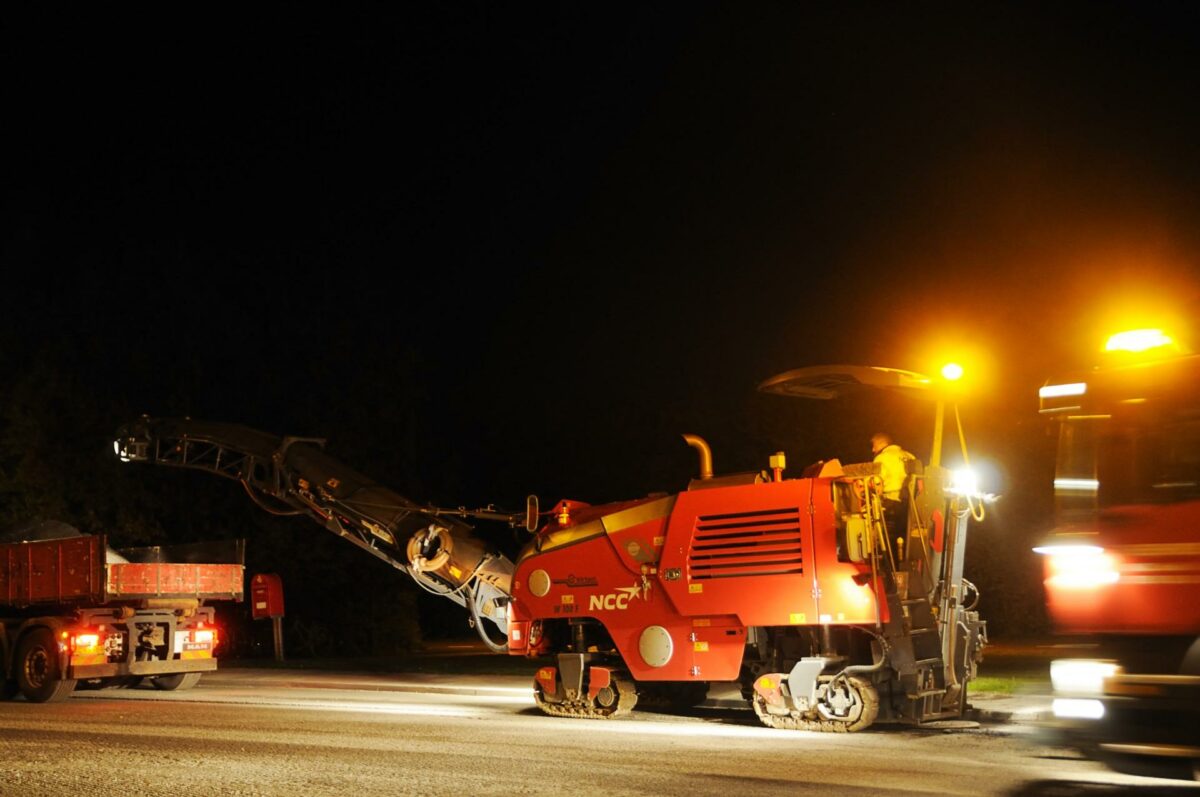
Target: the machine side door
(841, 587)
(744, 551)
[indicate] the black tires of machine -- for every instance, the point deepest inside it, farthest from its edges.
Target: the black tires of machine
(849, 706)
(115, 682)
(1152, 766)
(39, 670)
(177, 682)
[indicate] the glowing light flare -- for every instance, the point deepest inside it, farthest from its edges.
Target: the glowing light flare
(956, 359)
(1065, 485)
(1137, 341)
(85, 643)
(1077, 708)
(1081, 676)
(87, 647)
(859, 596)
(1058, 391)
(1079, 566)
(198, 643)
(965, 481)
(1068, 549)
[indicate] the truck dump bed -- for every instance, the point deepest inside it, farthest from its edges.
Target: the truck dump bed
(76, 570)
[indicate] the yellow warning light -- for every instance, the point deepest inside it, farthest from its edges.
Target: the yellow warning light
(1139, 340)
(952, 372)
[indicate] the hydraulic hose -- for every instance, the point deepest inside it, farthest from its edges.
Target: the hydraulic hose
(469, 594)
(856, 669)
(974, 589)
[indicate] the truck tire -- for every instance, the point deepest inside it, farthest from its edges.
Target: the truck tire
(178, 681)
(1146, 766)
(39, 674)
(115, 682)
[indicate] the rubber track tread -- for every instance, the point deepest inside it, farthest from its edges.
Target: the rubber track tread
(626, 700)
(803, 722)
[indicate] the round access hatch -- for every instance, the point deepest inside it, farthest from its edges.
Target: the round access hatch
(656, 646)
(539, 582)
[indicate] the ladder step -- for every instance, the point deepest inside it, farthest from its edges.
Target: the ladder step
(922, 630)
(927, 693)
(934, 660)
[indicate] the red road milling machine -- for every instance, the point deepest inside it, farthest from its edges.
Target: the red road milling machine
(787, 586)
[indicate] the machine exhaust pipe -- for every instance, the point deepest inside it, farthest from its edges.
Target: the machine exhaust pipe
(697, 442)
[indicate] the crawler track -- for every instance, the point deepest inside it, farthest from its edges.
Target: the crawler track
(858, 713)
(623, 698)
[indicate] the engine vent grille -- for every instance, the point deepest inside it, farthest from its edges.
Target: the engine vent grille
(763, 543)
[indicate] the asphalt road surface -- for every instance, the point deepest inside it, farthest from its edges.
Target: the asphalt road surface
(269, 732)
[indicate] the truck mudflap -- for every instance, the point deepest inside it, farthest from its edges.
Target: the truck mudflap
(84, 672)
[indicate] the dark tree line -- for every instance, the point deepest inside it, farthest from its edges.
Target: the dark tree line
(58, 414)
(59, 407)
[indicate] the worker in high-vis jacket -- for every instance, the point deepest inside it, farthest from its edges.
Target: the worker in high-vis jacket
(893, 471)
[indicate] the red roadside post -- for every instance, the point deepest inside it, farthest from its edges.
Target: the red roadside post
(266, 595)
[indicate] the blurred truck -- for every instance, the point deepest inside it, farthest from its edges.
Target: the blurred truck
(74, 611)
(1122, 568)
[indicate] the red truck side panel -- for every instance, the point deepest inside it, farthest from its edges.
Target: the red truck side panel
(53, 571)
(168, 580)
(74, 571)
(1155, 552)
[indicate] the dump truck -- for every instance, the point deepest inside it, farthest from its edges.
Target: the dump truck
(1122, 564)
(794, 587)
(75, 611)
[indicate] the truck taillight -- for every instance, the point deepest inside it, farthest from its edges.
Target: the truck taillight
(85, 643)
(535, 633)
(197, 643)
(87, 647)
(1078, 566)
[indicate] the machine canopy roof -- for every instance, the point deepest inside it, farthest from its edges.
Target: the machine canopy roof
(839, 381)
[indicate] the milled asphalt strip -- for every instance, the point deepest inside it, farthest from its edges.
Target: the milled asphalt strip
(367, 684)
(1009, 710)
(732, 699)
(355, 700)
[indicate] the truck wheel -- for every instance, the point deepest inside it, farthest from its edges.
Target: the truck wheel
(39, 676)
(1151, 766)
(180, 680)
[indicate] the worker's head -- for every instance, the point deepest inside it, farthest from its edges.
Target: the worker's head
(880, 441)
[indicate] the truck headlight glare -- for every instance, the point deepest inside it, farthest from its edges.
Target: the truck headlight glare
(1080, 676)
(1077, 708)
(1079, 566)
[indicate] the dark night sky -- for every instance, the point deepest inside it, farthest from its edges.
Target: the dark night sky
(557, 236)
